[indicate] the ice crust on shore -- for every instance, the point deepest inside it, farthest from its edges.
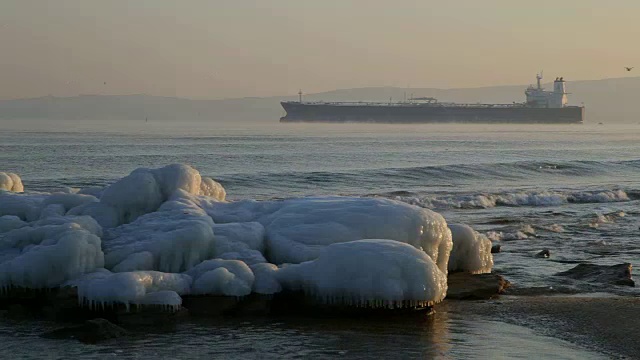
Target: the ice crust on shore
(159, 234)
(176, 237)
(46, 253)
(222, 277)
(103, 288)
(471, 250)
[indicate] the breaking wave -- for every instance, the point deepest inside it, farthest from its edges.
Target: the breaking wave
(524, 198)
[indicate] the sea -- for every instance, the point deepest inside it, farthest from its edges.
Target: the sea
(573, 190)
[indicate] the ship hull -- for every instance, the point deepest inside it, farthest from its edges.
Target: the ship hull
(305, 112)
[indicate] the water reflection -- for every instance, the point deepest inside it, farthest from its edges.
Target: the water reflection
(452, 332)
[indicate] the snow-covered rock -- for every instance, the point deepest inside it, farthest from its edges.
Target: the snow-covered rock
(368, 273)
(10, 182)
(471, 250)
(104, 288)
(173, 239)
(298, 230)
(48, 252)
(221, 277)
(144, 190)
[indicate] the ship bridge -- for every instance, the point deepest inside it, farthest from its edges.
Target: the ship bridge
(538, 97)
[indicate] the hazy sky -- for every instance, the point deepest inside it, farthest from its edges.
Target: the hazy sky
(237, 48)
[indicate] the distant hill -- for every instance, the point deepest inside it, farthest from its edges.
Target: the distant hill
(607, 100)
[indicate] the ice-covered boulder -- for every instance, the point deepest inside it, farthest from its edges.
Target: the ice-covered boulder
(34, 206)
(237, 237)
(242, 211)
(173, 239)
(144, 190)
(10, 182)
(221, 277)
(298, 230)
(301, 229)
(25, 206)
(10, 222)
(48, 252)
(103, 288)
(471, 250)
(247, 256)
(68, 200)
(368, 273)
(266, 281)
(212, 189)
(240, 241)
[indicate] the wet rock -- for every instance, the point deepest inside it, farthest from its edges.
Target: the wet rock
(210, 305)
(91, 332)
(17, 312)
(151, 316)
(296, 303)
(619, 274)
(543, 254)
(495, 249)
(465, 286)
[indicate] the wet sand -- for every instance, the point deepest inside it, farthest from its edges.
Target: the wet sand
(609, 325)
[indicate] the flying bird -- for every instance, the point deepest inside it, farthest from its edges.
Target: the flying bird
(628, 68)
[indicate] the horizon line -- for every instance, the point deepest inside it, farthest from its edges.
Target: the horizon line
(294, 95)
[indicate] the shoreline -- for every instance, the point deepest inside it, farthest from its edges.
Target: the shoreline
(586, 326)
(602, 324)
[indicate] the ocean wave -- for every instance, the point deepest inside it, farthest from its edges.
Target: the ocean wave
(404, 182)
(523, 198)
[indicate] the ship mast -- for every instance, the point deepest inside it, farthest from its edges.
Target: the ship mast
(539, 77)
(300, 96)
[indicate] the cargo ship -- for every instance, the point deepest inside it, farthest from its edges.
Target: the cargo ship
(541, 107)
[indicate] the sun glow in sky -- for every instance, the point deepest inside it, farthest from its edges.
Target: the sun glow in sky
(225, 48)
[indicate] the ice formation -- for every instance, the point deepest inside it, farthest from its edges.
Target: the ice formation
(46, 253)
(471, 250)
(10, 182)
(159, 234)
(144, 190)
(174, 238)
(237, 237)
(298, 230)
(222, 277)
(369, 273)
(266, 281)
(26, 207)
(10, 222)
(137, 287)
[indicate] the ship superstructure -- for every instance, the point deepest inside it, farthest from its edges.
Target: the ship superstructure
(537, 97)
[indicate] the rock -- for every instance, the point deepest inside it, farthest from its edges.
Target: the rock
(495, 249)
(210, 305)
(297, 303)
(464, 286)
(619, 274)
(543, 254)
(18, 312)
(217, 305)
(151, 316)
(91, 332)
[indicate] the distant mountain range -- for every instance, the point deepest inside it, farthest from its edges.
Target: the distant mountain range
(607, 100)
